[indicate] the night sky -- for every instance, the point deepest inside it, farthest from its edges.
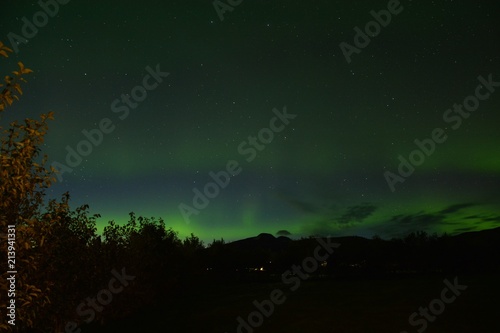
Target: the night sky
(324, 170)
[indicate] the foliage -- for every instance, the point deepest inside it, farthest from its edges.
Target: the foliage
(48, 237)
(22, 184)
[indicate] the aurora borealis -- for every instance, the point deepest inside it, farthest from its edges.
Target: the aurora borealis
(323, 172)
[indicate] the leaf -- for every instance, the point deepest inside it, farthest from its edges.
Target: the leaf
(23, 69)
(3, 47)
(18, 88)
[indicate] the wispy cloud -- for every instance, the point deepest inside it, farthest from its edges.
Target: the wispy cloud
(357, 213)
(283, 233)
(455, 208)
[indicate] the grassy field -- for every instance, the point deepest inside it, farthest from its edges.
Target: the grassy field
(327, 306)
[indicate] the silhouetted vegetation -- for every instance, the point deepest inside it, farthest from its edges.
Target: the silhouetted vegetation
(75, 262)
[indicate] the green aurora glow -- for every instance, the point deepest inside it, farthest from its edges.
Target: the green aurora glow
(353, 120)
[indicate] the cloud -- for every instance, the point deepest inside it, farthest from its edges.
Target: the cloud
(455, 208)
(283, 233)
(453, 218)
(400, 225)
(417, 221)
(466, 229)
(326, 222)
(492, 219)
(421, 220)
(303, 206)
(357, 213)
(312, 203)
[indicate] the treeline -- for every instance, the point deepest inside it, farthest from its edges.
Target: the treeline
(416, 253)
(143, 263)
(64, 261)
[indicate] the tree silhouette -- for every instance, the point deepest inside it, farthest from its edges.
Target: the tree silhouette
(23, 179)
(48, 237)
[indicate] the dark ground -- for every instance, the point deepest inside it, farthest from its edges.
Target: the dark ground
(333, 305)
